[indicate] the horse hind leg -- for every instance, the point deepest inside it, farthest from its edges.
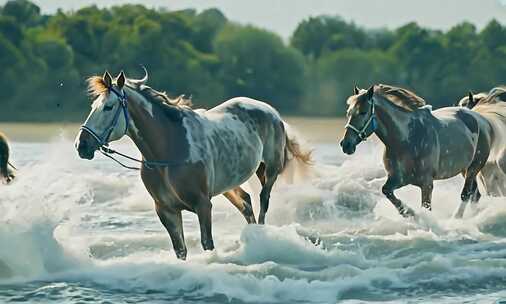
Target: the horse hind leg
(261, 173)
(268, 171)
(271, 175)
(242, 201)
(427, 196)
(470, 192)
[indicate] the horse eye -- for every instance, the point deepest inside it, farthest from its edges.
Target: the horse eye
(108, 108)
(362, 113)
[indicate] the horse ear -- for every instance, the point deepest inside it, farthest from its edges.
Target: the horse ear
(370, 92)
(120, 81)
(356, 90)
(472, 101)
(107, 79)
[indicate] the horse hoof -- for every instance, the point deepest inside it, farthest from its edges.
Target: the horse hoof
(407, 212)
(208, 245)
(251, 220)
(181, 255)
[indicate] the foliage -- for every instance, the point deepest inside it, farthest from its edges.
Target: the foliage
(45, 59)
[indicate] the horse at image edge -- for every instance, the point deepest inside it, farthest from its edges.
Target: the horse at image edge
(492, 106)
(6, 172)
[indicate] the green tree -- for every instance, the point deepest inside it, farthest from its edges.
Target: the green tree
(45, 59)
(256, 63)
(23, 11)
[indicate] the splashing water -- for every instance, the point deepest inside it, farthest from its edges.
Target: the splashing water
(87, 231)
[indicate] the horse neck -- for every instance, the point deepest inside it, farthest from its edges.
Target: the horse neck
(392, 123)
(155, 136)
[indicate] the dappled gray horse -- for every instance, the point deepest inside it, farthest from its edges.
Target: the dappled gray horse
(420, 145)
(492, 106)
(190, 156)
(6, 172)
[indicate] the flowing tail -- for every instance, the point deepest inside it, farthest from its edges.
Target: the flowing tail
(298, 159)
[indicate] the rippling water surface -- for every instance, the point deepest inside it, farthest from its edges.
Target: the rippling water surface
(75, 231)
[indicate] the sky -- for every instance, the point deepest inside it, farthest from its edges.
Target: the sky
(282, 16)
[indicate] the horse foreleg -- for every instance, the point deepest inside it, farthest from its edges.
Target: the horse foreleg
(388, 190)
(242, 201)
(203, 210)
(427, 196)
(172, 220)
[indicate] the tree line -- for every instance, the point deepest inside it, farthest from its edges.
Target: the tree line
(44, 59)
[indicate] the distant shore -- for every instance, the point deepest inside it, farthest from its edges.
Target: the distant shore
(312, 129)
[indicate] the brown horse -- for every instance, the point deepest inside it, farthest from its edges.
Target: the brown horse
(5, 172)
(492, 106)
(420, 145)
(190, 156)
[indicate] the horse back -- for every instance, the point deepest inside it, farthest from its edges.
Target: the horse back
(464, 139)
(495, 114)
(233, 138)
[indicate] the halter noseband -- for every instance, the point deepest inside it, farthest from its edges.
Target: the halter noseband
(103, 139)
(362, 132)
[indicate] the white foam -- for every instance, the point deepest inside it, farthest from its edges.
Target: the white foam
(333, 237)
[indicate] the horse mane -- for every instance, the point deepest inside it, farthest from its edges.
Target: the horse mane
(400, 97)
(161, 97)
(97, 87)
(497, 94)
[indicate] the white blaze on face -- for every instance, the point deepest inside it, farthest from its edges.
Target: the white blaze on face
(352, 101)
(101, 117)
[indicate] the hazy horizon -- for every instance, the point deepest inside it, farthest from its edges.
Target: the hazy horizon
(276, 16)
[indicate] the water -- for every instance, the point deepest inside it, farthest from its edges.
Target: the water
(74, 231)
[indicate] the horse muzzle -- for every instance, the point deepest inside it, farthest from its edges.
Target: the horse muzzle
(347, 146)
(86, 146)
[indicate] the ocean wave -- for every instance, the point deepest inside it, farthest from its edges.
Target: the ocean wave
(89, 229)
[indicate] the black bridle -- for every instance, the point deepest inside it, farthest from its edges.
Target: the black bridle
(362, 133)
(103, 138)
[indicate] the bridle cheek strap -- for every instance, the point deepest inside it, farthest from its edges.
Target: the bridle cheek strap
(362, 133)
